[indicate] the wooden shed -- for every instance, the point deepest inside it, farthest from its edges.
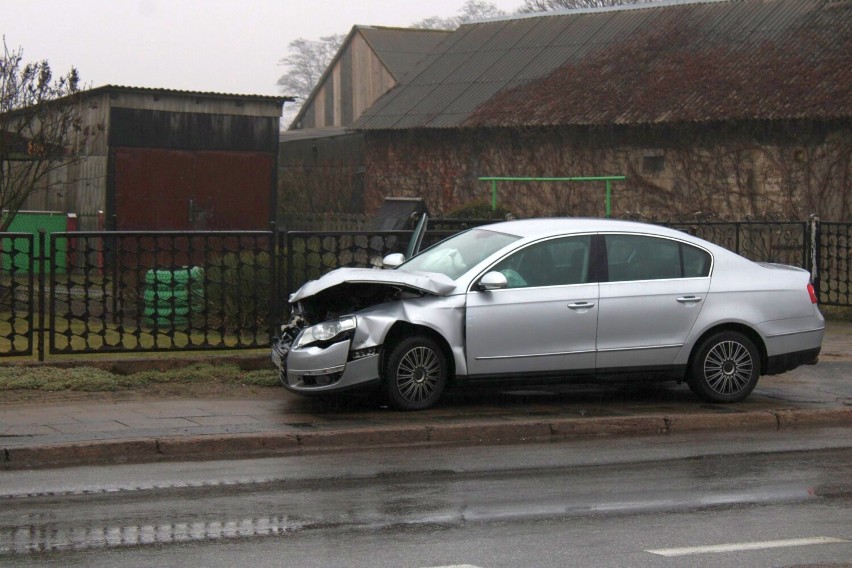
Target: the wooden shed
(171, 160)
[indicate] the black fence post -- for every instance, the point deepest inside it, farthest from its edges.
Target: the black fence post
(32, 293)
(41, 263)
(737, 238)
(289, 257)
(112, 257)
(814, 256)
(275, 288)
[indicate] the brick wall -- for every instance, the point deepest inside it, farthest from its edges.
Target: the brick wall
(733, 171)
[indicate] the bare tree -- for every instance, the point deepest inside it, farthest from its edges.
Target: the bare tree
(305, 63)
(545, 5)
(470, 11)
(40, 129)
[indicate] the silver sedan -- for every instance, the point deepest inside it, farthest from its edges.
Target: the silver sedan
(551, 300)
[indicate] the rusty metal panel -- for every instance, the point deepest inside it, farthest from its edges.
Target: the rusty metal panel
(158, 189)
(152, 188)
(237, 186)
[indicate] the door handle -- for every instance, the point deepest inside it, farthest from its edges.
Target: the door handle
(689, 299)
(581, 305)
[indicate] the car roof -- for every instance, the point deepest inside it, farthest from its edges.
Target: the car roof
(536, 228)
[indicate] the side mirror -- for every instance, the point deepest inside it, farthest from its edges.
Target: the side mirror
(493, 281)
(393, 260)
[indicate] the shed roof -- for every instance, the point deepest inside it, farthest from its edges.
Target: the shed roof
(203, 94)
(649, 63)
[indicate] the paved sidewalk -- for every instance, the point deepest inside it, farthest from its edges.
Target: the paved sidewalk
(44, 435)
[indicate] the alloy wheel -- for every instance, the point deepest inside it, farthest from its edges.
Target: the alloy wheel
(728, 367)
(418, 374)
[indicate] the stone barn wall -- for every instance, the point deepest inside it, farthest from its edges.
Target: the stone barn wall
(730, 170)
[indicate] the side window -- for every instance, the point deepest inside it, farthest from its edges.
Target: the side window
(696, 262)
(633, 257)
(555, 262)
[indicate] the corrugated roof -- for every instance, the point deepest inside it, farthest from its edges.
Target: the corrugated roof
(400, 49)
(700, 61)
(156, 90)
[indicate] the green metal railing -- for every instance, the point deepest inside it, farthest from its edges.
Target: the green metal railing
(607, 179)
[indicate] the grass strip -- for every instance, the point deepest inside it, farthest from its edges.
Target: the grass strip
(91, 379)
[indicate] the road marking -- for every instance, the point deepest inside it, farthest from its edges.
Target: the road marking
(736, 547)
(456, 566)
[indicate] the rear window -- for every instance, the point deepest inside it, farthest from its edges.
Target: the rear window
(696, 262)
(638, 257)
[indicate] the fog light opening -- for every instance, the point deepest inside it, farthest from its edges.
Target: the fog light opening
(362, 353)
(320, 380)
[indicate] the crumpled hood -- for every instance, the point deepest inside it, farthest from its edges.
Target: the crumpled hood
(429, 282)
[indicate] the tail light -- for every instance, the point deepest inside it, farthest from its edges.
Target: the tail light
(812, 293)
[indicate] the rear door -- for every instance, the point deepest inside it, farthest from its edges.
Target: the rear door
(654, 290)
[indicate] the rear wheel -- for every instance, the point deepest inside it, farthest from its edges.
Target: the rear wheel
(726, 368)
(415, 373)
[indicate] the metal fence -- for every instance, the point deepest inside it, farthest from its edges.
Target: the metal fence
(783, 242)
(159, 291)
(825, 249)
(17, 293)
(108, 292)
(310, 254)
(833, 247)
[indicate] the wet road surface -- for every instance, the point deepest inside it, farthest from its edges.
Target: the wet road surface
(611, 501)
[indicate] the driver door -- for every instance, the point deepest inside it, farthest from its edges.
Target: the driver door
(545, 321)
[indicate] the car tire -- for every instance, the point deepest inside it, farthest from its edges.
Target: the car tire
(415, 373)
(726, 368)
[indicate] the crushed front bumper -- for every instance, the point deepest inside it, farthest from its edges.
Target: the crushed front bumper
(315, 369)
(280, 349)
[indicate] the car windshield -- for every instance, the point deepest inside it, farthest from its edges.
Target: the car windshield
(456, 255)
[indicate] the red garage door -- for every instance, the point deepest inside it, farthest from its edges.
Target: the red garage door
(185, 190)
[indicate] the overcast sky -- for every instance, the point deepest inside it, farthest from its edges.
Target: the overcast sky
(227, 46)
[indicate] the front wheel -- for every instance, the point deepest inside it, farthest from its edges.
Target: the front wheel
(415, 373)
(726, 368)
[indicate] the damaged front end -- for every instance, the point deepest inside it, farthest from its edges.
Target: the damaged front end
(333, 339)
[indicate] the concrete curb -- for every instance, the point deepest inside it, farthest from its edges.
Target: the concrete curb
(235, 446)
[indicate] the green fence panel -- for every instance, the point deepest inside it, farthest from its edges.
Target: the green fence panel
(32, 222)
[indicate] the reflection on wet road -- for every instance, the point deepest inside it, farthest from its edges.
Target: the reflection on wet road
(435, 489)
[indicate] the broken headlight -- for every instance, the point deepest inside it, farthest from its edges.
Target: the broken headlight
(326, 332)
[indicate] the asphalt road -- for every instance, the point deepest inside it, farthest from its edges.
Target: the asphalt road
(759, 498)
